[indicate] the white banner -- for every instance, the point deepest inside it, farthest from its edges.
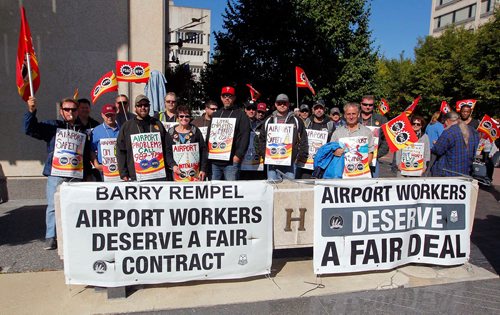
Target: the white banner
(364, 225)
(187, 157)
(147, 150)
(109, 162)
(412, 159)
(118, 234)
(356, 151)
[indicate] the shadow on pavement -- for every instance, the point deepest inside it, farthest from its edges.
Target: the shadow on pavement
(485, 236)
(22, 225)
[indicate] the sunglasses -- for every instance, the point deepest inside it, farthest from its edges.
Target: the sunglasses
(304, 111)
(141, 105)
(110, 115)
(282, 103)
(261, 112)
(69, 109)
(226, 95)
(213, 108)
(170, 102)
(120, 102)
(367, 104)
(416, 124)
(251, 108)
(184, 116)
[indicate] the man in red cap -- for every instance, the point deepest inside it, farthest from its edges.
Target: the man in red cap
(108, 129)
(223, 168)
(261, 111)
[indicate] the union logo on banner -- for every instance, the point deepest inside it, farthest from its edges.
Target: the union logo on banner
(489, 128)
(445, 108)
(107, 83)
(383, 107)
(132, 71)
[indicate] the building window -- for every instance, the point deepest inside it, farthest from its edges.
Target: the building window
(441, 2)
(469, 12)
(191, 37)
(487, 6)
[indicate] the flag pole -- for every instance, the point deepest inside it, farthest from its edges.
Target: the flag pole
(28, 64)
(123, 108)
(297, 95)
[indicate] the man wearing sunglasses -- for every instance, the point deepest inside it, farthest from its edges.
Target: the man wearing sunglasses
(204, 120)
(46, 131)
(142, 123)
(122, 109)
(371, 119)
(230, 169)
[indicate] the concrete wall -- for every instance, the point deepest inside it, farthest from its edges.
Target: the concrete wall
(76, 42)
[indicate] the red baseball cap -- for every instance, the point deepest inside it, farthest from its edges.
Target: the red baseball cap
(262, 107)
(108, 109)
(227, 90)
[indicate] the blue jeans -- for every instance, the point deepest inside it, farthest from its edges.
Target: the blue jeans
(375, 170)
(50, 214)
(272, 173)
(229, 172)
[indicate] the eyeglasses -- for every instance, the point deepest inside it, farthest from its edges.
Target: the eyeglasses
(142, 105)
(282, 103)
(367, 104)
(251, 108)
(416, 124)
(213, 108)
(226, 95)
(110, 115)
(69, 109)
(304, 111)
(184, 116)
(170, 102)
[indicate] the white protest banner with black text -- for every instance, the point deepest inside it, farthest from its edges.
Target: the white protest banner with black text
(68, 153)
(118, 234)
(364, 225)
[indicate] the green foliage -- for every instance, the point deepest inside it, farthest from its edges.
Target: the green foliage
(263, 41)
(460, 64)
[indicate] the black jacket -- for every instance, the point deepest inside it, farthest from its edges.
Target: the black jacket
(300, 149)
(241, 133)
(124, 152)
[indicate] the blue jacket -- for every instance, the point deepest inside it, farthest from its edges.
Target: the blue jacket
(332, 165)
(46, 131)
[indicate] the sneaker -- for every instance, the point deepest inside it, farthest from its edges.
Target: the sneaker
(50, 243)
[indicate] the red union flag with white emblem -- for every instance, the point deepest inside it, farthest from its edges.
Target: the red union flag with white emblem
(24, 51)
(470, 102)
(132, 71)
(445, 108)
(399, 133)
(383, 107)
(409, 110)
(254, 94)
(489, 127)
(107, 83)
(302, 81)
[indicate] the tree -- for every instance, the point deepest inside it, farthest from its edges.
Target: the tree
(181, 81)
(263, 41)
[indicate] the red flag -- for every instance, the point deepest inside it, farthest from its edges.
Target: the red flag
(25, 46)
(489, 127)
(75, 94)
(131, 71)
(445, 108)
(301, 80)
(254, 94)
(383, 107)
(409, 110)
(469, 102)
(107, 83)
(399, 133)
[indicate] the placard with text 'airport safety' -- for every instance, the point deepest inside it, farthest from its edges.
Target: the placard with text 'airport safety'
(363, 225)
(117, 234)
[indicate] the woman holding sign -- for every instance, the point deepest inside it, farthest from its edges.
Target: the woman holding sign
(186, 149)
(414, 159)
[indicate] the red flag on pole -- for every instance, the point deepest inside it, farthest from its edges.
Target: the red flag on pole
(489, 127)
(107, 83)
(445, 108)
(132, 71)
(301, 80)
(409, 110)
(27, 72)
(470, 102)
(254, 94)
(399, 133)
(383, 107)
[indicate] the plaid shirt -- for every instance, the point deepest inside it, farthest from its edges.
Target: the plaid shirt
(453, 154)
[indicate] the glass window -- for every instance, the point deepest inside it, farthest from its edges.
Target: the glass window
(445, 20)
(462, 14)
(486, 6)
(441, 2)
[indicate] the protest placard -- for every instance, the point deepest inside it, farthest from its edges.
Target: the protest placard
(279, 143)
(68, 153)
(355, 157)
(315, 139)
(187, 157)
(220, 141)
(364, 225)
(109, 162)
(130, 233)
(412, 159)
(252, 160)
(147, 151)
